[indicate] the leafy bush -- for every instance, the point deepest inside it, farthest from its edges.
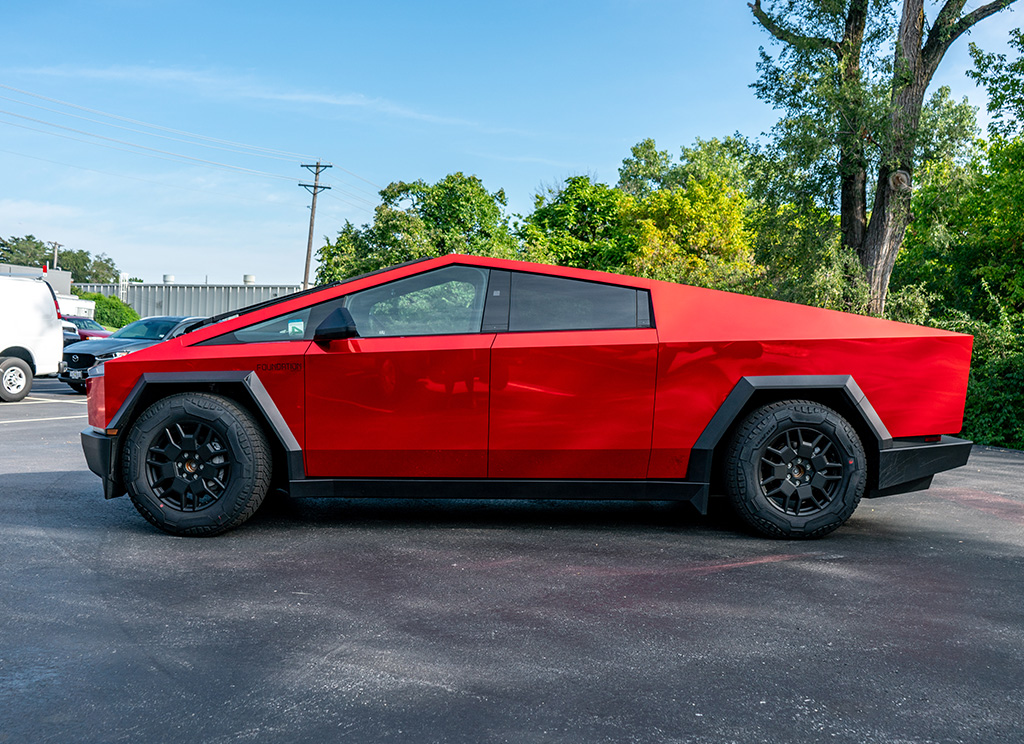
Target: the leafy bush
(995, 392)
(110, 311)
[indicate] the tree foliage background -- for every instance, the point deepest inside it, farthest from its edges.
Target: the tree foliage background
(84, 267)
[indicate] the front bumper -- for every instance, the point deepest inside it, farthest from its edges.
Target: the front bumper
(67, 373)
(100, 452)
(80, 380)
(909, 465)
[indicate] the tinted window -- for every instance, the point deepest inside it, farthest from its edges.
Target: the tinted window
(549, 303)
(446, 301)
(294, 326)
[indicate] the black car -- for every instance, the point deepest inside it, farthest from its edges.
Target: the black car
(70, 332)
(80, 357)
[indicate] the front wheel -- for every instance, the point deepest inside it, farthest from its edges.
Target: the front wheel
(196, 464)
(15, 379)
(795, 469)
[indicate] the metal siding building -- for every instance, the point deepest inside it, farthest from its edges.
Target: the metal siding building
(189, 299)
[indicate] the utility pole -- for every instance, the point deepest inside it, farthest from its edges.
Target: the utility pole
(313, 188)
(55, 245)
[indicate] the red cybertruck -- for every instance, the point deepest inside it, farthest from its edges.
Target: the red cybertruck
(475, 377)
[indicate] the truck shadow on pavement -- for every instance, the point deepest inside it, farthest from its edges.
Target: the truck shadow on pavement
(281, 511)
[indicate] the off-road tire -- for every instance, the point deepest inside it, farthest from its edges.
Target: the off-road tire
(196, 464)
(15, 379)
(795, 469)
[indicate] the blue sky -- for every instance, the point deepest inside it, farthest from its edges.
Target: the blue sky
(520, 94)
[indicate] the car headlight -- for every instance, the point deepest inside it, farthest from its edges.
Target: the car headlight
(112, 355)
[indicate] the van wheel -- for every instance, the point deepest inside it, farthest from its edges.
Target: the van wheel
(196, 464)
(15, 379)
(795, 469)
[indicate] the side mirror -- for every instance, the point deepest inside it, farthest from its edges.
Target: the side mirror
(336, 326)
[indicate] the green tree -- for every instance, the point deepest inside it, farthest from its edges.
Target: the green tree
(695, 234)
(84, 267)
(582, 224)
(948, 130)
(847, 100)
(26, 251)
(649, 169)
(420, 220)
(966, 244)
(1004, 82)
(88, 269)
(646, 170)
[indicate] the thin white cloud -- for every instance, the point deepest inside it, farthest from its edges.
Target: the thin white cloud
(25, 212)
(243, 88)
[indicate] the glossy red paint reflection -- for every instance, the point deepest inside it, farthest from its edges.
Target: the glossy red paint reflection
(398, 407)
(595, 404)
(574, 404)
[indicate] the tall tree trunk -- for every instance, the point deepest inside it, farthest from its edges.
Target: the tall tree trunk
(879, 242)
(915, 64)
(890, 214)
(852, 160)
(853, 199)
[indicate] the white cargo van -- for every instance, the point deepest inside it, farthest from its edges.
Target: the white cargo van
(31, 340)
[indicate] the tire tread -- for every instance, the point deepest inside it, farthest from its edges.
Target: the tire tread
(755, 427)
(253, 446)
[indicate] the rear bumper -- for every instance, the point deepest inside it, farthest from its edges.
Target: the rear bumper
(99, 454)
(909, 465)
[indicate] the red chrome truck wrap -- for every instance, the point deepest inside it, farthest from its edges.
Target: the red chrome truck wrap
(602, 404)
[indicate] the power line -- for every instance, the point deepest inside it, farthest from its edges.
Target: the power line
(356, 197)
(345, 201)
(356, 175)
(237, 150)
(223, 145)
(364, 205)
(139, 147)
(254, 149)
(296, 156)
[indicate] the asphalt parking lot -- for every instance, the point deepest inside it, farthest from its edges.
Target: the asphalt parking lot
(489, 621)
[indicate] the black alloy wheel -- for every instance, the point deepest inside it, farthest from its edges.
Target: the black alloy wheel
(801, 471)
(795, 469)
(187, 466)
(196, 464)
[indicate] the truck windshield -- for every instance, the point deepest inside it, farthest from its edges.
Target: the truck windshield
(152, 329)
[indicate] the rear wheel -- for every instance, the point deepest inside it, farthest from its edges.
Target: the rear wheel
(795, 469)
(15, 379)
(196, 464)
